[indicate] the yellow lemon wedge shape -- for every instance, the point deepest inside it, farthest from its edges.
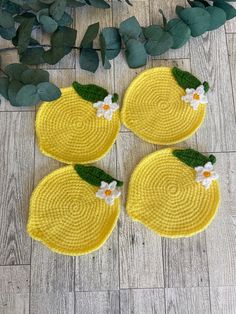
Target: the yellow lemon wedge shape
(69, 130)
(154, 111)
(67, 217)
(164, 196)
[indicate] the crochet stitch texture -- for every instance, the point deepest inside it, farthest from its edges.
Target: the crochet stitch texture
(154, 111)
(164, 196)
(66, 215)
(69, 130)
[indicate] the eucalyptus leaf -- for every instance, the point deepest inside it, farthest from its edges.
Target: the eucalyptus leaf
(15, 70)
(65, 20)
(48, 91)
(42, 12)
(197, 4)
(32, 56)
(218, 17)
(135, 53)
(90, 35)
(75, 4)
(62, 42)
(89, 60)
(99, 4)
(197, 19)
(34, 76)
(27, 96)
(7, 33)
(130, 28)
(4, 84)
(228, 8)
(57, 9)
(6, 19)
(48, 24)
(13, 89)
(24, 34)
(180, 32)
(112, 41)
(47, 1)
(159, 41)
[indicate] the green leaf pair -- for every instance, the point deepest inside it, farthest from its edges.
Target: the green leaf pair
(187, 80)
(92, 92)
(193, 158)
(94, 175)
(110, 42)
(27, 87)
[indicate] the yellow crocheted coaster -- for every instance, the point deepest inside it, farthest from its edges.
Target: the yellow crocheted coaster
(74, 130)
(164, 105)
(72, 211)
(174, 192)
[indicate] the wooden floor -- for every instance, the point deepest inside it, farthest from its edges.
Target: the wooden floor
(136, 271)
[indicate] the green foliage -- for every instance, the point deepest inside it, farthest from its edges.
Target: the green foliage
(27, 87)
(90, 92)
(193, 158)
(186, 79)
(94, 175)
(18, 18)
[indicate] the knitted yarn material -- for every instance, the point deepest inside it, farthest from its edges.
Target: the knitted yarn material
(66, 215)
(154, 111)
(164, 196)
(69, 130)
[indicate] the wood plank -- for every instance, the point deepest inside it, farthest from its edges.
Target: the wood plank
(103, 302)
(100, 269)
(209, 61)
(14, 289)
(223, 300)
(221, 241)
(16, 184)
(230, 26)
(139, 301)
(231, 44)
(168, 8)
(52, 303)
(140, 249)
(186, 301)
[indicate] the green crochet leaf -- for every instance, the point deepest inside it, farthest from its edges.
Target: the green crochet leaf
(90, 92)
(94, 175)
(187, 80)
(193, 158)
(115, 97)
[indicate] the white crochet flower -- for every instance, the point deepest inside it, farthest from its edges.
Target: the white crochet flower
(106, 108)
(205, 175)
(108, 192)
(195, 97)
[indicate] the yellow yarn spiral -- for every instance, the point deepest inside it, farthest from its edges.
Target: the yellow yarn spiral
(164, 196)
(153, 109)
(66, 215)
(69, 130)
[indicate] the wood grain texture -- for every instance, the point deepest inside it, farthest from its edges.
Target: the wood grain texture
(230, 26)
(100, 269)
(186, 301)
(220, 235)
(139, 301)
(14, 289)
(223, 300)
(209, 60)
(16, 184)
(140, 248)
(103, 302)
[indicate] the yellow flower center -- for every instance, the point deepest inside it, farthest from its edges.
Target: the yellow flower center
(106, 107)
(196, 96)
(108, 192)
(207, 174)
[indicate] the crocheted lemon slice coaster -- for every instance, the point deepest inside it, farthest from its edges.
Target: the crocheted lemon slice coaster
(73, 211)
(79, 127)
(164, 105)
(174, 192)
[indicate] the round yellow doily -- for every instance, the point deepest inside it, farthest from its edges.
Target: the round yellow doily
(69, 130)
(66, 215)
(154, 111)
(164, 196)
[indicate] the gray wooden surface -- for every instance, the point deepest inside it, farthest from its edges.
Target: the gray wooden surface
(135, 272)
